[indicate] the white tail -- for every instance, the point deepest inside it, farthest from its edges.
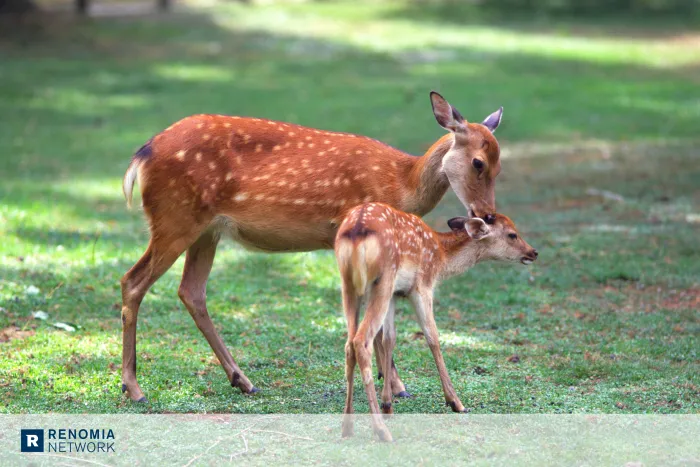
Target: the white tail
(358, 258)
(129, 178)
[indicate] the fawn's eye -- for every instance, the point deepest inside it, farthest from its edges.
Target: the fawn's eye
(512, 236)
(478, 164)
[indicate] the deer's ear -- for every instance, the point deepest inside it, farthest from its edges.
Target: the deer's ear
(492, 121)
(477, 228)
(447, 116)
(457, 223)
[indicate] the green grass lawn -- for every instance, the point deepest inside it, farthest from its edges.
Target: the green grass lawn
(607, 320)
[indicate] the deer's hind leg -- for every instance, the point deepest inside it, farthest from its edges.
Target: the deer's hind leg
(163, 249)
(192, 292)
(351, 306)
(377, 307)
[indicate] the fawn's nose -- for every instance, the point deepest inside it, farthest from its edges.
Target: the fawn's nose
(534, 253)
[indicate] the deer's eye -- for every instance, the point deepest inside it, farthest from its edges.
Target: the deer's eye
(478, 164)
(512, 236)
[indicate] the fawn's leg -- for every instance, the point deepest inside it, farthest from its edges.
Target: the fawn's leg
(377, 307)
(388, 342)
(397, 385)
(351, 306)
(192, 292)
(423, 302)
(157, 259)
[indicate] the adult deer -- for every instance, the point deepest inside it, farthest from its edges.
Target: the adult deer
(279, 187)
(383, 253)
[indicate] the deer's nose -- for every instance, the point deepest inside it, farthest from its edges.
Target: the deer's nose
(534, 252)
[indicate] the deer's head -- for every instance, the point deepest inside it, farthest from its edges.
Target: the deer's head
(472, 163)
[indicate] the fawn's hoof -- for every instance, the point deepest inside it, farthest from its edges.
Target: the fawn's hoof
(403, 394)
(380, 375)
(384, 436)
(386, 408)
(253, 390)
(123, 388)
(143, 400)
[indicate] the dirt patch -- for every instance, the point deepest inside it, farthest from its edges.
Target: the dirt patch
(651, 299)
(13, 332)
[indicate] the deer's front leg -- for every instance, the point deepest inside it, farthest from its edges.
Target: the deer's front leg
(423, 303)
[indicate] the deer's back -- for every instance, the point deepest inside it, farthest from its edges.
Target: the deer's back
(273, 186)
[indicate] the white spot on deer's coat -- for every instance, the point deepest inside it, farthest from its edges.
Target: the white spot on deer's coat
(229, 176)
(206, 136)
(241, 197)
(181, 155)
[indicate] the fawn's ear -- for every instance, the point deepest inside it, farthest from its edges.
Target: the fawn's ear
(447, 116)
(457, 223)
(492, 121)
(477, 228)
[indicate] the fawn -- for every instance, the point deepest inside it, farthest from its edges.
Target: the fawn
(384, 253)
(276, 187)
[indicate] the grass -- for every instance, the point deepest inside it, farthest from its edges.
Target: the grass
(606, 321)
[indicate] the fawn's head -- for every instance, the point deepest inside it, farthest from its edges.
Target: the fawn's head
(472, 164)
(500, 240)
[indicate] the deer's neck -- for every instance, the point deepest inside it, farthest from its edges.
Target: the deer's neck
(461, 253)
(426, 178)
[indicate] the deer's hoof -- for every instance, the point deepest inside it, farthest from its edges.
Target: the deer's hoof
(123, 388)
(454, 407)
(253, 390)
(380, 375)
(143, 400)
(404, 394)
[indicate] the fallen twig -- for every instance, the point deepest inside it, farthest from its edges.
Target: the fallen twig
(282, 433)
(200, 455)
